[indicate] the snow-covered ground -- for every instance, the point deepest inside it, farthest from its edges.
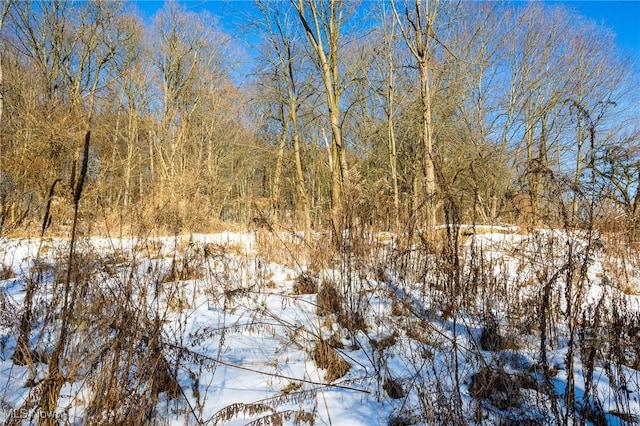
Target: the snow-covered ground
(428, 338)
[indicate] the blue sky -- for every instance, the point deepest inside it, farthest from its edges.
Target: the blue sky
(622, 17)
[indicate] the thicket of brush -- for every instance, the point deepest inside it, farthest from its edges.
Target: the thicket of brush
(95, 321)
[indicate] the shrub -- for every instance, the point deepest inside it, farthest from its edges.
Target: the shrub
(329, 299)
(326, 357)
(304, 284)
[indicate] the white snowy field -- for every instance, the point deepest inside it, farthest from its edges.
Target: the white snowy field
(244, 328)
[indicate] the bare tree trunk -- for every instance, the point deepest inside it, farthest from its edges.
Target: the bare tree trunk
(532, 167)
(152, 166)
(300, 184)
(391, 134)
(339, 158)
(578, 172)
(427, 160)
(277, 174)
(132, 138)
(320, 30)
(5, 9)
(419, 35)
(393, 164)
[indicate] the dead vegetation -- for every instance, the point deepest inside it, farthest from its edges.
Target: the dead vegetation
(453, 334)
(305, 284)
(119, 346)
(328, 358)
(365, 245)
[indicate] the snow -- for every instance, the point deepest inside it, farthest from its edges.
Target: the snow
(242, 337)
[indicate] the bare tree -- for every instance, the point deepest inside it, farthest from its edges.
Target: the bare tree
(389, 37)
(282, 43)
(322, 23)
(189, 143)
(132, 102)
(418, 30)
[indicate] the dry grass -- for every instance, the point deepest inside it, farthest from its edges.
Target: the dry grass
(6, 272)
(501, 389)
(410, 284)
(329, 300)
(327, 358)
(304, 284)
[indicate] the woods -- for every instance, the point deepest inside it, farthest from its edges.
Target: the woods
(376, 114)
(317, 212)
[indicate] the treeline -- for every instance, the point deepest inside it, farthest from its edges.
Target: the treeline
(385, 115)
